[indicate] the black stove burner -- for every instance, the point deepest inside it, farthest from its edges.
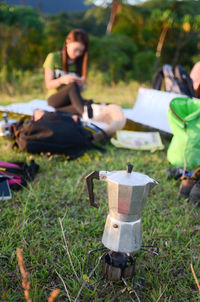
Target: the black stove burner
(116, 259)
(118, 265)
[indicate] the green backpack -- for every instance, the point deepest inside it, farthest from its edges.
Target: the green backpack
(184, 120)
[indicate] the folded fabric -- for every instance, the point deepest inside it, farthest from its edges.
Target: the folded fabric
(136, 140)
(27, 108)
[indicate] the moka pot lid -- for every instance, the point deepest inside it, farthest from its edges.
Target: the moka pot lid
(129, 178)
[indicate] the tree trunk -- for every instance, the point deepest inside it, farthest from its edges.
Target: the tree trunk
(160, 44)
(115, 8)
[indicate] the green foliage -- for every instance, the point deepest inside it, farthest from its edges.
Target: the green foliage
(144, 24)
(196, 58)
(21, 34)
(27, 37)
(25, 17)
(113, 54)
(99, 13)
(166, 16)
(58, 26)
(144, 65)
(18, 82)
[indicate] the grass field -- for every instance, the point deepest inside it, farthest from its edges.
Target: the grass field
(33, 220)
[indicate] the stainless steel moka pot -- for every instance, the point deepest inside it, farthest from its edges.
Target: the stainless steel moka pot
(127, 193)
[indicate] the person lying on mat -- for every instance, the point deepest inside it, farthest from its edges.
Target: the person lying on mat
(66, 73)
(109, 118)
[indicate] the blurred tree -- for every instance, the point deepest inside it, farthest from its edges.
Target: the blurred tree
(99, 16)
(149, 24)
(130, 22)
(58, 26)
(166, 30)
(166, 19)
(115, 8)
(21, 33)
(113, 54)
(180, 17)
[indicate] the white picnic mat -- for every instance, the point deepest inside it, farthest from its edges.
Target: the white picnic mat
(151, 108)
(30, 107)
(27, 108)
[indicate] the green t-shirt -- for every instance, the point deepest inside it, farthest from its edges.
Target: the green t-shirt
(54, 62)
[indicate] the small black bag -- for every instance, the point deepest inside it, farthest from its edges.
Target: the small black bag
(55, 133)
(18, 173)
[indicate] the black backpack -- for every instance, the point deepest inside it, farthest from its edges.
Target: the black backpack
(54, 133)
(176, 80)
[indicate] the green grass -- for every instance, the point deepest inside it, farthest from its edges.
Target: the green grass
(31, 86)
(31, 220)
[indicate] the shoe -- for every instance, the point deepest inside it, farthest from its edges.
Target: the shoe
(186, 186)
(196, 174)
(194, 197)
(188, 182)
(88, 104)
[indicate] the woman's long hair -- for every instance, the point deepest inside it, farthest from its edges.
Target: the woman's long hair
(77, 35)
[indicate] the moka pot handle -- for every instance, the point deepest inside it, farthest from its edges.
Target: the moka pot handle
(90, 186)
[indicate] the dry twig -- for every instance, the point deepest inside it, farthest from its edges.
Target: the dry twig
(79, 180)
(65, 287)
(25, 282)
(68, 253)
(195, 277)
(53, 295)
(184, 160)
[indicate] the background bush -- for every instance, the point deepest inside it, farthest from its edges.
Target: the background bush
(129, 52)
(143, 63)
(112, 54)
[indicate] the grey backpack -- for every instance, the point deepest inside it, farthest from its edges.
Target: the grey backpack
(176, 80)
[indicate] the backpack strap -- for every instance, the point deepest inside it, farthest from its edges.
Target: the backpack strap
(171, 84)
(15, 129)
(157, 79)
(5, 176)
(184, 80)
(106, 137)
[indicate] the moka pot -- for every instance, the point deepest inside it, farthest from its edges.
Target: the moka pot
(127, 194)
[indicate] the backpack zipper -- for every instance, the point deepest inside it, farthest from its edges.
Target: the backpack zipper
(185, 125)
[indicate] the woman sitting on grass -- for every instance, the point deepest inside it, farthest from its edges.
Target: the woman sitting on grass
(65, 76)
(66, 73)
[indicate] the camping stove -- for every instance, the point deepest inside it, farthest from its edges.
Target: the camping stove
(118, 267)
(127, 193)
